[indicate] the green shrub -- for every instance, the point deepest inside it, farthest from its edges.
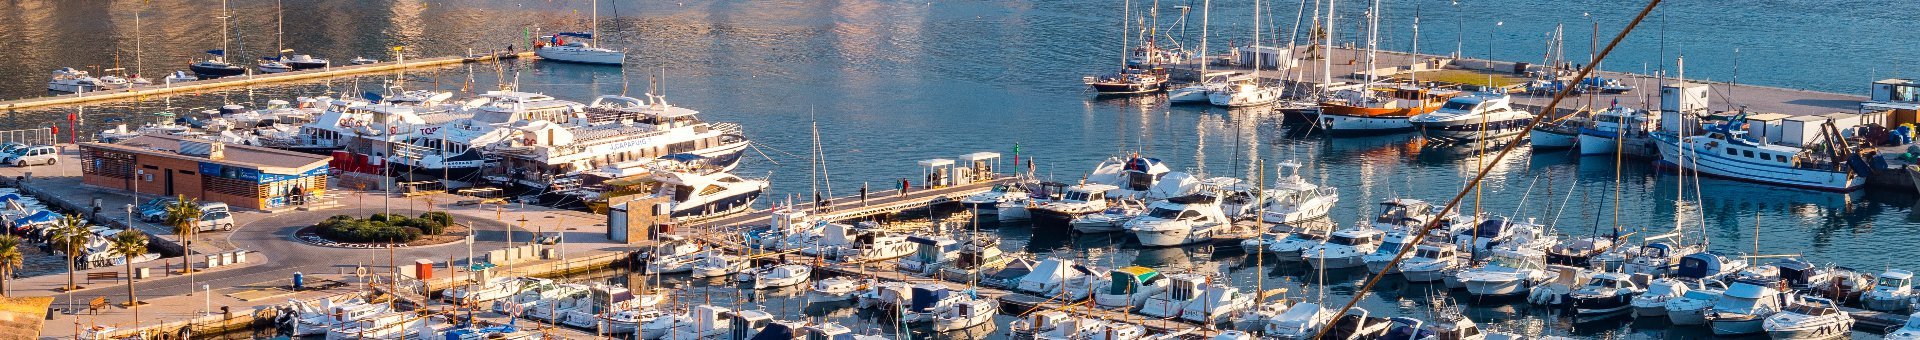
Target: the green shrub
(373, 229)
(438, 217)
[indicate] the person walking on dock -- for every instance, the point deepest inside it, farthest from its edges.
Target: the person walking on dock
(863, 193)
(904, 184)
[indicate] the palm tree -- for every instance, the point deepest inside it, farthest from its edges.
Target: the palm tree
(70, 235)
(130, 244)
(184, 215)
(10, 259)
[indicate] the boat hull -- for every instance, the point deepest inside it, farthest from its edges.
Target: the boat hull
(1595, 143)
(1424, 275)
(1739, 325)
(581, 56)
(1548, 139)
(1717, 164)
(1455, 131)
(211, 72)
(1362, 125)
(1126, 88)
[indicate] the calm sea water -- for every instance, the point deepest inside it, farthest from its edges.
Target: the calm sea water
(890, 83)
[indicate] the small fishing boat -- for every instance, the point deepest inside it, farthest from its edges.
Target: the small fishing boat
(1811, 319)
(1692, 307)
(715, 264)
(1216, 300)
(1127, 81)
(628, 321)
(1910, 331)
(930, 253)
(1578, 251)
(1653, 302)
(1622, 130)
(1344, 249)
(1050, 276)
(979, 254)
(1256, 318)
(1075, 201)
(1657, 259)
(785, 275)
(1709, 265)
(1357, 324)
(1727, 151)
(1556, 135)
(1892, 291)
(179, 77)
(1300, 322)
(1181, 289)
(1745, 306)
(1605, 293)
(1130, 287)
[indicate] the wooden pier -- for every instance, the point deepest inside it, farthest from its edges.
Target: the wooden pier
(250, 79)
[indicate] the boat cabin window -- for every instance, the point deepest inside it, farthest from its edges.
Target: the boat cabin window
(1810, 310)
(1603, 283)
(1189, 214)
(1749, 153)
(1893, 282)
(1459, 105)
(1306, 236)
(1732, 152)
(1766, 156)
(1429, 253)
(1164, 213)
(1345, 241)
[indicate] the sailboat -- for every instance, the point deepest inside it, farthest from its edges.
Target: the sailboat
(216, 65)
(1374, 108)
(282, 62)
(1139, 69)
(557, 48)
(1198, 92)
(1248, 91)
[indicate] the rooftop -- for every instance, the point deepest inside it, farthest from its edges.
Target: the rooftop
(266, 159)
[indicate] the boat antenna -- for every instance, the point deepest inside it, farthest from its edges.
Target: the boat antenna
(1485, 170)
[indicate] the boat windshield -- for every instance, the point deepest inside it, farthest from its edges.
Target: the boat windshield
(1809, 310)
(1892, 282)
(1512, 262)
(1459, 105)
(1737, 305)
(1427, 253)
(1080, 196)
(1343, 240)
(1600, 282)
(1660, 289)
(1305, 236)
(1164, 213)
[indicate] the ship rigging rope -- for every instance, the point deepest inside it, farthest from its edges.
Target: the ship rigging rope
(1421, 235)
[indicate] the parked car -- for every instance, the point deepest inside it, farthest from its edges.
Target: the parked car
(154, 210)
(34, 155)
(216, 221)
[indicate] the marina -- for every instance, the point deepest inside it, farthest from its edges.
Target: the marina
(955, 171)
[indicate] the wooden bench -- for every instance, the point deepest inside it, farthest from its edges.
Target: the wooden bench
(103, 276)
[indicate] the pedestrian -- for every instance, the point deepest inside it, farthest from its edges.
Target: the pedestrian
(863, 193)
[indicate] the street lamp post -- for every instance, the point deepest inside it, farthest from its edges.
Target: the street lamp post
(209, 297)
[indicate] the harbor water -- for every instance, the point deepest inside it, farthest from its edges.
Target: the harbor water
(890, 83)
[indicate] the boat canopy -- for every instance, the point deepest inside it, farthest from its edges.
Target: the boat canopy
(1749, 290)
(1127, 280)
(1701, 265)
(37, 217)
(1144, 164)
(1192, 199)
(575, 34)
(1491, 228)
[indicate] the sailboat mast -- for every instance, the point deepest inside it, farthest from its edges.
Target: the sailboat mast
(138, 67)
(1205, 7)
(1414, 74)
(1256, 41)
(280, 30)
(1326, 52)
(595, 21)
(1373, 41)
(1125, 25)
(223, 31)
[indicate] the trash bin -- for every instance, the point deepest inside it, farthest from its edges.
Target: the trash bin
(299, 280)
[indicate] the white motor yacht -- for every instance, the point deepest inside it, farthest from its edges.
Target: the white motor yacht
(628, 321)
(70, 80)
(1620, 129)
(1431, 262)
(988, 203)
(1508, 272)
(1810, 319)
(1295, 244)
(1295, 200)
(930, 253)
(1605, 293)
(782, 276)
(1346, 248)
(1182, 220)
(1481, 116)
(1075, 201)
